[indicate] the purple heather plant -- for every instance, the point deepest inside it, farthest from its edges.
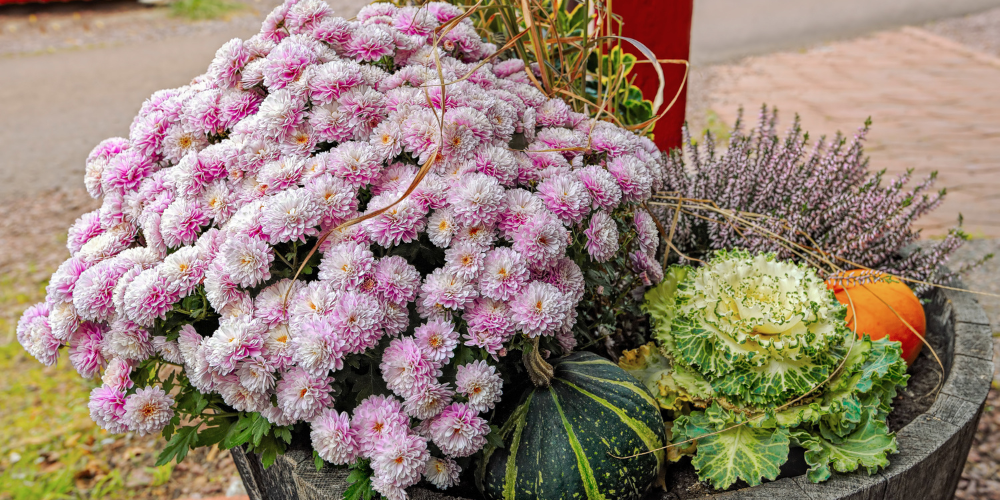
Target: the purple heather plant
(821, 196)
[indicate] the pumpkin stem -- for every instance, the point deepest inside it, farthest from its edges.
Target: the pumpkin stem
(539, 370)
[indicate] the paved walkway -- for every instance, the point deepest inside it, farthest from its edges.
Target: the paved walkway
(935, 105)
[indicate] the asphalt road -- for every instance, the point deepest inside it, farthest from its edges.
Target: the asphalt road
(725, 30)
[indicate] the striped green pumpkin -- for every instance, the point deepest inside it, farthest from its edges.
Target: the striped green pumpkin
(558, 443)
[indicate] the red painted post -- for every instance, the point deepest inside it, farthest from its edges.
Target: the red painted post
(665, 27)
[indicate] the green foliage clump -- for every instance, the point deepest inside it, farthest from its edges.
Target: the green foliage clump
(204, 9)
(752, 356)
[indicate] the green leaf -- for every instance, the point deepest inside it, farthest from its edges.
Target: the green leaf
(215, 434)
(671, 386)
(494, 438)
(177, 448)
(868, 446)
(239, 433)
(260, 427)
(734, 451)
(360, 482)
(318, 461)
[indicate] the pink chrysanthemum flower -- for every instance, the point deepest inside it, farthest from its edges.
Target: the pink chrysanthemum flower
(302, 396)
(92, 294)
(465, 259)
(370, 43)
(519, 205)
(306, 14)
(278, 347)
(428, 400)
(632, 176)
(541, 240)
(85, 349)
(169, 350)
(220, 288)
(118, 375)
(465, 130)
(63, 281)
(229, 60)
(540, 309)
(255, 374)
(345, 265)
(183, 270)
(181, 222)
(490, 325)
(148, 410)
(202, 113)
(648, 234)
(400, 223)
(245, 260)
(476, 199)
(567, 277)
(149, 297)
(376, 418)
(270, 305)
(446, 289)
(315, 299)
(565, 196)
(290, 215)
(603, 188)
(240, 397)
(437, 339)
(286, 63)
(107, 409)
(442, 472)
(504, 273)
(481, 383)
(98, 161)
(602, 237)
(482, 235)
(650, 271)
(336, 198)
(458, 431)
(405, 366)
(387, 140)
(441, 227)
(126, 171)
(356, 317)
(355, 162)
(83, 230)
(232, 342)
(422, 134)
(63, 320)
(235, 105)
(317, 348)
(328, 81)
(180, 141)
(398, 464)
(497, 162)
(281, 174)
(281, 113)
(364, 108)
(334, 30)
(396, 279)
(333, 439)
(554, 113)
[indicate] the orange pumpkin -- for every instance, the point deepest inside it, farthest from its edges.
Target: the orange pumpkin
(871, 307)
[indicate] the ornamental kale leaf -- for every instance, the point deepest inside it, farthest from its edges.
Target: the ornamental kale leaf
(752, 355)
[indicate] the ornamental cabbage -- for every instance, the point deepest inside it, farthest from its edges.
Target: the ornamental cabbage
(752, 356)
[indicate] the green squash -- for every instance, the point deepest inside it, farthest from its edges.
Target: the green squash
(559, 442)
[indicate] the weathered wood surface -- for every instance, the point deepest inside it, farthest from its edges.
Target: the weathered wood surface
(932, 448)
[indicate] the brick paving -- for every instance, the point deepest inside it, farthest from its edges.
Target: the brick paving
(935, 105)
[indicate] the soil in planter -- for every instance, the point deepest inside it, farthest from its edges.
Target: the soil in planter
(918, 396)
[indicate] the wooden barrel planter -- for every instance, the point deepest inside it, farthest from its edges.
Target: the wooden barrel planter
(932, 447)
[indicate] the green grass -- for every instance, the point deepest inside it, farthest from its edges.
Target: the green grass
(204, 9)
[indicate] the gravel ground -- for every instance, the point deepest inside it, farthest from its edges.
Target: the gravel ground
(979, 31)
(32, 29)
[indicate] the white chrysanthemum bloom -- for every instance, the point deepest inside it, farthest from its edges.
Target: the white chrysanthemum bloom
(760, 306)
(481, 383)
(148, 410)
(246, 260)
(442, 472)
(441, 227)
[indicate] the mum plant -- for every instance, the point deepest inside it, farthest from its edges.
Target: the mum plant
(346, 229)
(753, 355)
